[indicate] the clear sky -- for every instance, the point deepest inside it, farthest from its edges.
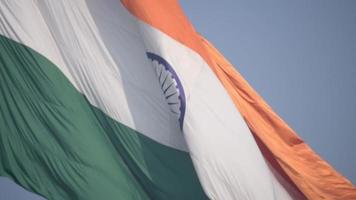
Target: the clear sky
(299, 55)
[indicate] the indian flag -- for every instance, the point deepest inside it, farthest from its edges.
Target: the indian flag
(109, 99)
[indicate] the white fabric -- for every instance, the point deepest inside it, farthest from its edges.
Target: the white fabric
(225, 154)
(98, 47)
(101, 48)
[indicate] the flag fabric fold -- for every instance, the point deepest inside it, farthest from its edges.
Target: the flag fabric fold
(303, 167)
(124, 100)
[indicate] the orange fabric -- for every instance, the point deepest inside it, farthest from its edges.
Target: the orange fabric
(293, 160)
(312, 175)
(167, 16)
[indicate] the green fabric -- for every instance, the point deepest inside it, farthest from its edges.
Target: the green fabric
(54, 143)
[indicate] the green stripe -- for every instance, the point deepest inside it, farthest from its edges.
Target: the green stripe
(54, 143)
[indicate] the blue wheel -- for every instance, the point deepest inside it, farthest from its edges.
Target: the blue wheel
(171, 86)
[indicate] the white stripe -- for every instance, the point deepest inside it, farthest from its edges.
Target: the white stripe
(101, 48)
(226, 156)
(97, 45)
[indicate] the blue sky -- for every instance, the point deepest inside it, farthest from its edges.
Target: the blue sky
(299, 55)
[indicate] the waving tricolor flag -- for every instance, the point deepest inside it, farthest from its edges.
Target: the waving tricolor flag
(102, 99)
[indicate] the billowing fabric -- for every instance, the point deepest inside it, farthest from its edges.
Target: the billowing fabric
(312, 175)
(144, 84)
(82, 116)
(55, 143)
(301, 171)
(102, 99)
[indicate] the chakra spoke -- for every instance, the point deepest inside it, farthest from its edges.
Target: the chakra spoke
(174, 112)
(167, 97)
(165, 90)
(165, 79)
(160, 74)
(171, 86)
